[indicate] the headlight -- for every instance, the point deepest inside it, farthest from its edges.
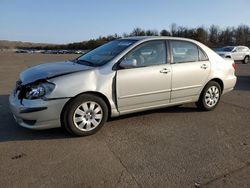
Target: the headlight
(36, 91)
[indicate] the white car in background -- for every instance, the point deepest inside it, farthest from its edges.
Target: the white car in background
(238, 53)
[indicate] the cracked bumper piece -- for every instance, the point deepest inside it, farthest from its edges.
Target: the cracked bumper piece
(37, 114)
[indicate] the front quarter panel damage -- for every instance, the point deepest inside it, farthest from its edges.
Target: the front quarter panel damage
(100, 80)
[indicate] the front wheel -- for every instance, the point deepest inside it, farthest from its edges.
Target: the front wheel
(84, 115)
(246, 60)
(209, 97)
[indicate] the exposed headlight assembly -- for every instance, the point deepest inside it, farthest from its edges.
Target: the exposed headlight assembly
(40, 90)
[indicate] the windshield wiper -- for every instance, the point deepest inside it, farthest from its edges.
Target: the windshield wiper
(84, 62)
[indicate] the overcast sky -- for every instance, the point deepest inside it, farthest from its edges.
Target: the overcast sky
(64, 21)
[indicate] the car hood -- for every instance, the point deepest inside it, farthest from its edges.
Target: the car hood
(51, 70)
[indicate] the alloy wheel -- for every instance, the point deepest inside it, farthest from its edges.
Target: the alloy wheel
(246, 60)
(212, 96)
(88, 116)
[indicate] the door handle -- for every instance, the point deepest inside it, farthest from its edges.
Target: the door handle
(165, 71)
(204, 66)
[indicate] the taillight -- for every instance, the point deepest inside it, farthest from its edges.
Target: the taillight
(234, 65)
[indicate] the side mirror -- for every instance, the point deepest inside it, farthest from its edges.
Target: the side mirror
(234, 50)
(128, 63)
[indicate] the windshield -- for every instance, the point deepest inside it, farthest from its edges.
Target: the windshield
(217, 49)
(227, 49)
(105, 53)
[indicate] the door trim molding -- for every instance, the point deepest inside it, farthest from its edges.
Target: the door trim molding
(189, 87)
(147, 93)
(157, 92)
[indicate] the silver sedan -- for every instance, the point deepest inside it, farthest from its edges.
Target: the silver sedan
(120, 77)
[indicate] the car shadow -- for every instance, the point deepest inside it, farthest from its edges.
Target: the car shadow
(11, 131)
(187, 108)
(243, 83)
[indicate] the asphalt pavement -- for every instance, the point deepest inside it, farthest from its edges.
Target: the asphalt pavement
(170, 147)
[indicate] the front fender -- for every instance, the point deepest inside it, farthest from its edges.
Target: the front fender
(95, 80)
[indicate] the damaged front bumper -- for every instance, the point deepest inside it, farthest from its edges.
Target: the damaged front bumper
(38, 113)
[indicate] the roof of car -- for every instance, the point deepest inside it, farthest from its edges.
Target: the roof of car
(146, 38)
(234, 46)
(153, 37)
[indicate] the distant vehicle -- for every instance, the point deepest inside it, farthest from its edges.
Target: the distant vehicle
(21, 51)
(38, 51)
(51, 52)
(62, 51)
(78, 52)
(30, 51)
(46, 52)
(238, 53)
(54, 51)
(120, 77)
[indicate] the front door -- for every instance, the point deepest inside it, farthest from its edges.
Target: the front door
(147, 85)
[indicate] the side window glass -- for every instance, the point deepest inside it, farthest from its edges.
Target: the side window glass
(183, 51)
(202, 56)
(239, 49)
(150, 53)
(244, 50)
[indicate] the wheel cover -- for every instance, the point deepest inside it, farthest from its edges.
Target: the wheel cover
(88, 116)
(212, 96)
(246, 59)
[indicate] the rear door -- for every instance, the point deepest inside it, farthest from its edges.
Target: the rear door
(190, 70)
(238, 54)
(149, 84)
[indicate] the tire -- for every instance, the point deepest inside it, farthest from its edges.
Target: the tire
(246, 60)
(84, 115)
(210, 96)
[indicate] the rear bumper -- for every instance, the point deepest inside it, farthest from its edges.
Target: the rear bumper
(37, 114)
(229, 84)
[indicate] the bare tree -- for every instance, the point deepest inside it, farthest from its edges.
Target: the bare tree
(226, 37)
(201, 35)
(242, 34)
(152, 33)
(214, 35)
(164, 32)
(138, 32)
(173, 29)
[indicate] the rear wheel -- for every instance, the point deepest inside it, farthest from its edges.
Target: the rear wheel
(85, 115)
(246, 60)
(210, 96)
